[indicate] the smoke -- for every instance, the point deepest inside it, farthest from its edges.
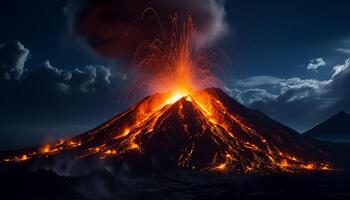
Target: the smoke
(114, 29)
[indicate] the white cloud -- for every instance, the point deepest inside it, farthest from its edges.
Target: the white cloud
(343, 50)
(288, 90)
(258, 81)
(294, 88)
(338, 69)
(249, 96)
(234, 92)
(297, 102)
(316, 63)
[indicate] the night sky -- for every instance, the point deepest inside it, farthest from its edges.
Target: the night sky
(288, 59)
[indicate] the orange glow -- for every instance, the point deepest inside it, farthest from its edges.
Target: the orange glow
(221, 167)
(111, 152)
(284, 163)
(134, 146)
(175, 97)
(60, 142)
(23, 158)
(45, 149)
(124, 134)
(72, 143)
(326, 168)
(309, 166)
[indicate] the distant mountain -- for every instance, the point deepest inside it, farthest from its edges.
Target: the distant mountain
(336, 128)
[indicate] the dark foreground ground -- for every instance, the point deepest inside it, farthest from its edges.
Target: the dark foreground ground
(18, 184)
(107, 183)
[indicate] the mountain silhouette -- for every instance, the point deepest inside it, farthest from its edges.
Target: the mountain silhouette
(335, 128)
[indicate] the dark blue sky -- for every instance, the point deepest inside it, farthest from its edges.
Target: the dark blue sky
(270, 44)
(276, 37)
(42, 27)
(265, 35)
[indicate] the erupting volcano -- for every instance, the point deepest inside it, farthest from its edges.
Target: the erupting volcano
(201, 130)
(183, 126)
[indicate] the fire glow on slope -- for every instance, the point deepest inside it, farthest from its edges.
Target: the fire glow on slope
(240, 147)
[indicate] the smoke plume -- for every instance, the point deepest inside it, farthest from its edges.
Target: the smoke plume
(115, 28)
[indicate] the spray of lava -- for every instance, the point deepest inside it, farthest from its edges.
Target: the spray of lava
(176, 66)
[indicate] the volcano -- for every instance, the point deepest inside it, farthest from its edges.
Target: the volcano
(204, 130)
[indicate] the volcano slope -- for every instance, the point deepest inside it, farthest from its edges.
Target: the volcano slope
(205, 130)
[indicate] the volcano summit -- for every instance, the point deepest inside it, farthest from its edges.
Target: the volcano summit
(199, 130)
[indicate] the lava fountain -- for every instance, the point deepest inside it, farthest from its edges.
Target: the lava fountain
(176, 65)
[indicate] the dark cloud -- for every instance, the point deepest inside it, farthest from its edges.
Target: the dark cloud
(115, 29)
(49, 78)
(300, 103)
(47, 100)
(12, 59)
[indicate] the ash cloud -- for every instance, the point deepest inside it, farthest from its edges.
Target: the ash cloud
(104, 24)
